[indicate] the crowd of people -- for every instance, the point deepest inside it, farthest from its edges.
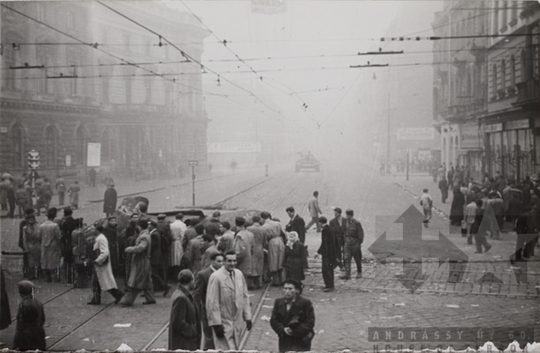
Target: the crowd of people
(214, 263)
(492, 208)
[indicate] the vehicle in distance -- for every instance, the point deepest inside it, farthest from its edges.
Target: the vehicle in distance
(308, 162)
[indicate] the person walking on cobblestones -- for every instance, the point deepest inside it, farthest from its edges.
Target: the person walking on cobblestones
(140, 270)
(295, 258)
(427, 204)
(327, 250)
(479, 228)
(243, 245)
(457, 207)
(61, 190)
(443, 186)
(314, 211)
(21, 199)
(185, 320)
(337, 224)
(178, 229)
(103, 278)
(227, 305)
(354, 237)
(200, 290)
(156, 260)
(293, 319)
(68, 225)
(470, 216)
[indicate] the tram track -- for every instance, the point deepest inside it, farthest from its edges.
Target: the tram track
(274, 207)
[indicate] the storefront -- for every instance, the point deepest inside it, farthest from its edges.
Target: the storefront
(471, 152)
(510, 147)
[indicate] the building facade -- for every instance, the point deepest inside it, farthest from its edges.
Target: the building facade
(485, 103)
(122, 87)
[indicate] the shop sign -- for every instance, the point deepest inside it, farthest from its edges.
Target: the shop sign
(517, 124)
(493, 127)
(416, 134)
(470, 138)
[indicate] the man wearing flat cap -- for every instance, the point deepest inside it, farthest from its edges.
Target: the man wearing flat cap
(29, 334)
(185, 321)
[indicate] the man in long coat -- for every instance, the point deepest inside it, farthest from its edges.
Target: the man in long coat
(338, 224)
(51, 248)
(111, 233)
(328, 252)
(103, 278)
(259, 244)
(185, 321)
(67, 225)
(73, 192)
(199, 295)
(243, 246)
(140, 271)
(109, 200)
(276, 248)
(227, 305)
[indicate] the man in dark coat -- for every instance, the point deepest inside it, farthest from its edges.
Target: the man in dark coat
(443, 186)
(185, 321)
(337, 224)
(67, 225)
(296, 224)
(199, 295)
(457, 208)
(164, 229)
(156, 257)
(29, 334)
(92, 174)
(109, 200)
(328, 252)
(293, 319)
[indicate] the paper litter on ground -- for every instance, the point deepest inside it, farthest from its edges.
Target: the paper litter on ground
(265, 318)
(122, 325)
(268, 306)
(452, 306)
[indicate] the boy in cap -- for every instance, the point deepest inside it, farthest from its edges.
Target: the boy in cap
(29, 334)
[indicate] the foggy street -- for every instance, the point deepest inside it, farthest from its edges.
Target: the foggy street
(270, 175)
(375, 300)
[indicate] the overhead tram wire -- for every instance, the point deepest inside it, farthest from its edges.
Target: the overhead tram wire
(190, 57)
(174, 81)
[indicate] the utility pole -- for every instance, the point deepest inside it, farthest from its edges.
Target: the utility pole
(388, 138)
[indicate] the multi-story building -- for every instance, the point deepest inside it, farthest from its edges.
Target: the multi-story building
(460, 82)
(486, 86)
(512, 123)
(147, 114)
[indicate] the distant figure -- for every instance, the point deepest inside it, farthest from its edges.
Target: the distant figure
(21, 198)
(293, 319)
(61, 190)
(73, 192)
(260, 242)
(185, 320)
(427, 204)
(457, 207)
(68, 225)
(32, 244)
(276, 248)
(338, 225)
(29, 334)
(109, 201)
(92, 174)
(443, 186)
(178, 230)
(314, 211)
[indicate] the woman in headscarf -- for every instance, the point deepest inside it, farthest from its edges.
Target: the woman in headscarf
(295, 258)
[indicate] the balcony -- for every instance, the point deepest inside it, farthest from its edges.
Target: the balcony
(460, 111)
(528, 92)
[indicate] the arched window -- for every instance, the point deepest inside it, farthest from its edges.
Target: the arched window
(81, 137)
(17, 146)
(51, 146)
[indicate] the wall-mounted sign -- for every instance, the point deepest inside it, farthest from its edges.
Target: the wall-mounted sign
(68, 161)
(94, 154)
(517, 124)
(493, 127)
(268, 7)
(470, 138)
